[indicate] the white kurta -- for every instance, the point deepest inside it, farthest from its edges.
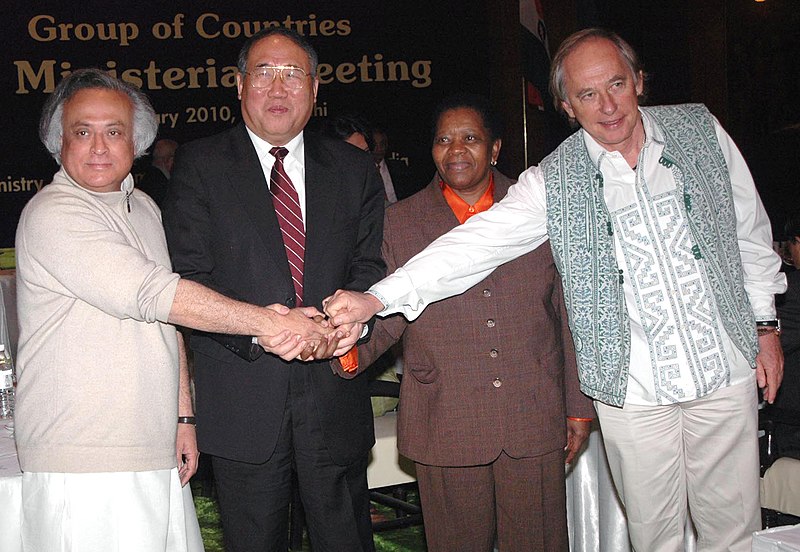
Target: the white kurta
(98, 512)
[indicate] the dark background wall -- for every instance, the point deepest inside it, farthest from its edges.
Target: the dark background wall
(740, 57)
(382, 58)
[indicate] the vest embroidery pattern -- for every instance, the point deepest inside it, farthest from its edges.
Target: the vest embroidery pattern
(580, 231)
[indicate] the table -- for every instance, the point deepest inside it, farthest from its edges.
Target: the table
(777, 539)
(10, 474)
(9, 330)
(386, 465)
(10, 492)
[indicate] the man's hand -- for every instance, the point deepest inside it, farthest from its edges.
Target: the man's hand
(351, 334)
(769, 365)
(324, 349)
(304, 330)
(188, 455)
(577, 433)
(348, 307)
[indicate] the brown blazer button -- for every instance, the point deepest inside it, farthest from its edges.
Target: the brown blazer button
(497, 382)
(490, 323)
(487, 293)
(493, 353)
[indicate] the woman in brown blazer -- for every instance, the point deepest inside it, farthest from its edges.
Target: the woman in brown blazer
(489, 375)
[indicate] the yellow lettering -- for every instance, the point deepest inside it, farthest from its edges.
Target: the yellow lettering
(35, 32)
(201, 22)
(26, 75)
(324, 72)
(343, 72)
(173, 78)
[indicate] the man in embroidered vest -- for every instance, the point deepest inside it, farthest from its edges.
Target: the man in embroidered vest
(665, 253)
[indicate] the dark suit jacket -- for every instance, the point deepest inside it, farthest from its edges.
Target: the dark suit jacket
(154, 184)
(404, 185)
(489, 370)
(222, 231)
(788, 306)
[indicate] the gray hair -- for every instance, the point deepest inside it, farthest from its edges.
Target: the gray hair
(145, 122)
(558, 86)
(295, 37)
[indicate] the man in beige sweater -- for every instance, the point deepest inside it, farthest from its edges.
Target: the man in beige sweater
(101, 401)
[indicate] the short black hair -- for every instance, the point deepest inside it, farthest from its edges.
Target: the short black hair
(343, 126)
(479, 104)
(313, 58)
(791, 227)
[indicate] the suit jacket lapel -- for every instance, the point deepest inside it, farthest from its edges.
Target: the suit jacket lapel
(322, 188)
(437, 216)
(246, 179)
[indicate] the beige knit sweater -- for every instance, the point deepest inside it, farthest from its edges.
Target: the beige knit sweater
(97, 364)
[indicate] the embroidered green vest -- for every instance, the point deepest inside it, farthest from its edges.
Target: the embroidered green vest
(580, 231)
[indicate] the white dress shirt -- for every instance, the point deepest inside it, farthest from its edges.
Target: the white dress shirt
(293, 163)
(388, 185)
(517, 224)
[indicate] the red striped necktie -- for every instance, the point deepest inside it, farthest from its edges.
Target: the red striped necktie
(290, 218)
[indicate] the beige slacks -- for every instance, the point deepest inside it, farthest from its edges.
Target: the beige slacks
(702, 452)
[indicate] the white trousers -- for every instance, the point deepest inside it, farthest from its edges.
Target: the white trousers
(702, 452)
(104, 512)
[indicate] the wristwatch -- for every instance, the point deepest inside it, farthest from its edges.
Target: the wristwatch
(764, 327)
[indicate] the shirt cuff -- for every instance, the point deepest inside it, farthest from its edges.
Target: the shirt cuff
(377, 295)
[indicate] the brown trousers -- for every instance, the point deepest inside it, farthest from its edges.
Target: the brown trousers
(520, 501)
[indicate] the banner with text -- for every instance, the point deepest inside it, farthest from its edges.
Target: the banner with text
(391, 61)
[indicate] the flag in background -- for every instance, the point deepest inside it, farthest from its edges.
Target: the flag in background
(535, 52)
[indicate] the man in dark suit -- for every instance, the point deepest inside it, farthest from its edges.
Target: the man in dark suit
(259, 416)
(156, 178)
(396, 177)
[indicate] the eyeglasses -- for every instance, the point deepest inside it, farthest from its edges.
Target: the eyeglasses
(292, 77)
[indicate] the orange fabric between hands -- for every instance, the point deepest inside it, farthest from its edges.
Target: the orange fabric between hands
(349, 360)
(463, 210)
(574, 419)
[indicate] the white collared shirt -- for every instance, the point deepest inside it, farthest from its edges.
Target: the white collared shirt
(680, 350)
(388, 185)
(293, 163)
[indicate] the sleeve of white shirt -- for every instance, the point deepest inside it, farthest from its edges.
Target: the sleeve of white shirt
(470, 252)
(762, 276)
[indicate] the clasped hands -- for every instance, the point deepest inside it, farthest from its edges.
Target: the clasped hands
(304, 333)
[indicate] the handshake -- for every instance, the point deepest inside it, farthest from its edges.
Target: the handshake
(306, 334)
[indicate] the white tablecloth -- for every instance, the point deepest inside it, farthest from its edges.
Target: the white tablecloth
(9, 332)
(778, 539)
(595, 518)
(10, 492)
(386, 465)
(10, 475)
